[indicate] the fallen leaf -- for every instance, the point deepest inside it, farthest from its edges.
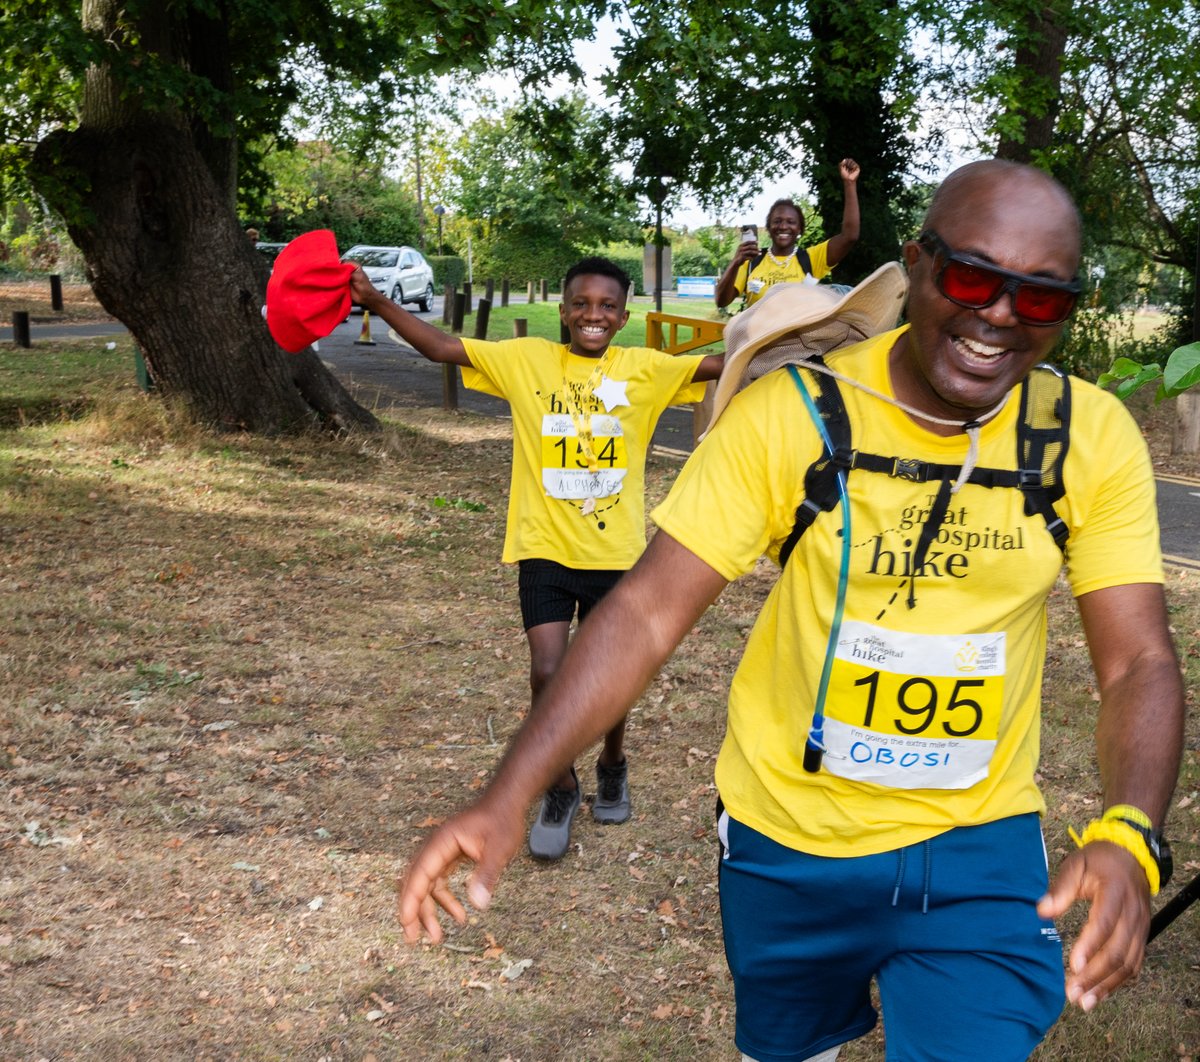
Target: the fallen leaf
(662, 1012)
(514, 970)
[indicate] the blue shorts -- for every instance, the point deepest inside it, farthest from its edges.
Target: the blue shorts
(948, 927)
(550, 592)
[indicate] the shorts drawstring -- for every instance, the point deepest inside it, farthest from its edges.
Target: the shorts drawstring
(928, 877)
(902, 862)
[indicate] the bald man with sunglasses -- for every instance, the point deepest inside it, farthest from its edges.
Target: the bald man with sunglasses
(909, 852)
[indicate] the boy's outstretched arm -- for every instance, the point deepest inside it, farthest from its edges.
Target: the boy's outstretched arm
(426, 340)
(709, 368)
(841, 244)
(626, 639)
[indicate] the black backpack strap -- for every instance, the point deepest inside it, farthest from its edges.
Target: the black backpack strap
(820, 481)
(804, 260)
(1043, 438)
(751, 265)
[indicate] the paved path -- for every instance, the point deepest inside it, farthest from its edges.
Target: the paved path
(398, 377)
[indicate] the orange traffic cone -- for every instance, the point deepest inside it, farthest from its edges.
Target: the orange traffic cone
(364, 337)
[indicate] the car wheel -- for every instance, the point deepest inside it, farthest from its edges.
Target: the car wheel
(426, 300)
(398, 293)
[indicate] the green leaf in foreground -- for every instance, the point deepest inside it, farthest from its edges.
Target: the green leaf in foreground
(459, 503)
(1182, 370)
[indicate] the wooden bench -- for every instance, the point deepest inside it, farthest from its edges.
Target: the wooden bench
(663, 333)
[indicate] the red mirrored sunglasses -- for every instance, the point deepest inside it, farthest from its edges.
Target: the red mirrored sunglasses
(970, 282)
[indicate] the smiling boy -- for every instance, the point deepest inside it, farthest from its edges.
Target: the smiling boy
(583, 416)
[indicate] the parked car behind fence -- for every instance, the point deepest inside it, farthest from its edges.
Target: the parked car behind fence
(400, 273)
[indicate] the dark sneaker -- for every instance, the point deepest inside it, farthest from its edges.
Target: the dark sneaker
(550, 834)
(612, 794)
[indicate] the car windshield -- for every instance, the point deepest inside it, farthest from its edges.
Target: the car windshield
(375, 258)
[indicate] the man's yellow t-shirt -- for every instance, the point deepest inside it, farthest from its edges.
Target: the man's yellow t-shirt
(560, 508)
(933, 706)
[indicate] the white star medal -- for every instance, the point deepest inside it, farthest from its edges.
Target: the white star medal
(612, 393)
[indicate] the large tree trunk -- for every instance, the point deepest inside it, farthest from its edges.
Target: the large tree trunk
(167, 257)
(148, 196)
(1040, 42)
(850, 118)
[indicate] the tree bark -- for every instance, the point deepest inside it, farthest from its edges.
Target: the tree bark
(1186, 437)
(148, 196)
(168, 259)
(1039, 51)
(849, 117)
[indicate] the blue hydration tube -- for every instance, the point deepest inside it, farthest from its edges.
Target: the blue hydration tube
(814, 747)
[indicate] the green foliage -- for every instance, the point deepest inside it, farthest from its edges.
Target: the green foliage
(629, 258)
(447, 270)
(532, 189)
(522, 255)
(693, 261)
(459, 503)
(1181, 373)
(1090, 342)
(1125, 120)
(314, 186)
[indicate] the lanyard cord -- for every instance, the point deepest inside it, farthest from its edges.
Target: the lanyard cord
(814, 746)
(583, 419)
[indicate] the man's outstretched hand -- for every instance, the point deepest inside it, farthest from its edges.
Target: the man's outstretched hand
(473, 835)
(1112, 943)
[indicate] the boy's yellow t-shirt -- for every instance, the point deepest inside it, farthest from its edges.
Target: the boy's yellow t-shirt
(559, 508)
(933, 707)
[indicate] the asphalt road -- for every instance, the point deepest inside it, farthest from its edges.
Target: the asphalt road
(397, 376)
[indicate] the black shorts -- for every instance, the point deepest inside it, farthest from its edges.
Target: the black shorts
(550, 592)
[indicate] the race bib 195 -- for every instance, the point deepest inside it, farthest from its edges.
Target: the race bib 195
(913, 711)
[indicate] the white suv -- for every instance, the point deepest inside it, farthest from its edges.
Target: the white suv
(400, 273)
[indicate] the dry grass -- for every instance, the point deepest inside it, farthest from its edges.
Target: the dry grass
(242, 678)
(79, 303)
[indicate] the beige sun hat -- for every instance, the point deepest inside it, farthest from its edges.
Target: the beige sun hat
(794, 322)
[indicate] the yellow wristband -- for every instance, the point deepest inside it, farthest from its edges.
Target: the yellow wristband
(1128, 812)
(1123, 836)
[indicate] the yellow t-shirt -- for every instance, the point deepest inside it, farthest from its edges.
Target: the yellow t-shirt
(781, 271)
(558, 508)
(932, 713)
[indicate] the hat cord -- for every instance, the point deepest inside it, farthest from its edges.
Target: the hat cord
(970, 427)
